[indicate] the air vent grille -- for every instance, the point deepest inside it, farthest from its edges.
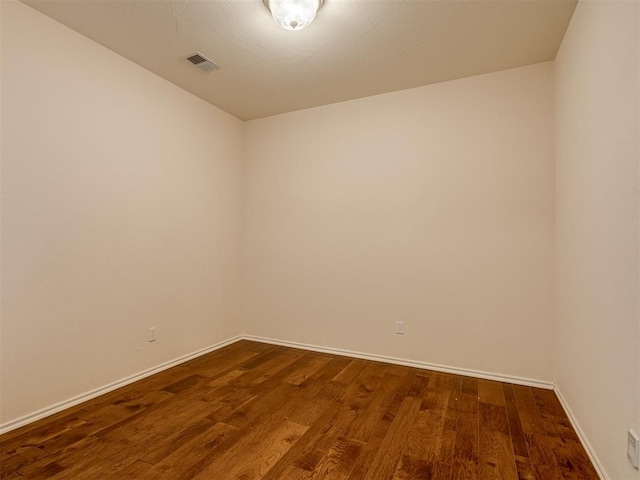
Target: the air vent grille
(196, 59)
(202, 62)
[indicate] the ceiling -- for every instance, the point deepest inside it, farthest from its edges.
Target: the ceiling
(355, 48)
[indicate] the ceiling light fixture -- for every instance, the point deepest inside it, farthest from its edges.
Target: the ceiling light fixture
(293, 14)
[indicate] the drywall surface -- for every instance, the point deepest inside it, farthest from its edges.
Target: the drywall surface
(432, 206)
(120, 211)
(597, 342)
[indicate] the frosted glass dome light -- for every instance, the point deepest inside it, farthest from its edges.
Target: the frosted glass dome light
(293, 14)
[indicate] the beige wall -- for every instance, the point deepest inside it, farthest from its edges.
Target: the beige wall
(120, 211)
(597, 341)
(433, 206)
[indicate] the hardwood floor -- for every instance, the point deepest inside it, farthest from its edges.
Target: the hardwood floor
(257, 411)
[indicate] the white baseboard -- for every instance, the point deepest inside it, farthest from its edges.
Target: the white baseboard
(408, 363)
(58, 407)
(583, 438)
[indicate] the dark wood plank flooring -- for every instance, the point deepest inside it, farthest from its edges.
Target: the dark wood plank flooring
(256, 411)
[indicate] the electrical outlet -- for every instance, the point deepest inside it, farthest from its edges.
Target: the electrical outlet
(152, 334)
(400, 328)
(633, 448)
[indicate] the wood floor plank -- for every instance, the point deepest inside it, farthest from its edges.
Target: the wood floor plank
(438, 392)
(339, 460)
(470, 386)
(496, 457)
(572, 459)
(226, 379)
(310, 455)
(453, 404)
(539, 444)
(295, 473)
(346, 410)
(46, 470)
(351, 371)
(133, 471)
(11, 475)
(253, 411)
(232, 357)
(370, 450)
(306, 405)
(422, 444)
(77, 457)
(120, 465)
(527, 410)
(192, 457)
(515, 426)
(379, 434)
(264, 370)
(552, 414)
(491, 392)
(17, 458)
(384, 463)
(305, 369)
(267, 453)
(41, 432)
(259, 406)
(373, 407)
(465, 457)
(120, 408)
(304, 455)
(524, 467)
(430, 441)
(175, 440)
(313, 397)
(268, 444)
(442, 468)
(101, 420)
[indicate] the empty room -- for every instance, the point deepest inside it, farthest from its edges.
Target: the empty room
(320, 239)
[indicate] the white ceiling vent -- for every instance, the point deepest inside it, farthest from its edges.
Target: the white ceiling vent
(202, 62)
